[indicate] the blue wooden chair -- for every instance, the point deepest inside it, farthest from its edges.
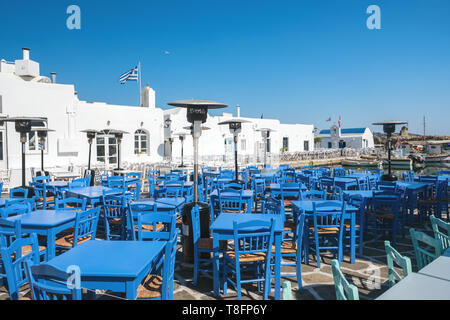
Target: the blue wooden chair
(114, 215)
(313, 195)
(118, 183)
(201, 246)
(293, 249)
(152, 225)
(171, 189)
(160, 286)
(335, 193)
(259, 191)
(85, 229)
(441, 231)
(253, 243)
(15, 208)
(230, 200)
(435, 203)
(104, 180)
(357, 221)
(344, 290)
(421, 243)
(44, 199)
(71, 204)
(18, 192)
(338, 172)
(327, 228)
(49, 283)
(135, 190)
(403, 262)
(133, 210)
(14, 257)
(384, 214)
(78, 183)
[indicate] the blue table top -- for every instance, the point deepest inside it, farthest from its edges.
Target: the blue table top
(307, 205)
(276, 186)
(412, 185)
(91, 192)
(58, 184)
(224, 222)
(4, 201)
(44, 218)
(162, 203)
(245, 193)
(189, 184)
(439, 268)
(417, 286)
(124, 259)
(446, 253)
(366, 194)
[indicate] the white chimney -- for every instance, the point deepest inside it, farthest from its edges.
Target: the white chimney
(238, 111)
(26, 53)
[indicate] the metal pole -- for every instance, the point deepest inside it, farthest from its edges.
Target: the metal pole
(265, 150)
(389, 155)
(42, 161)
(235, 156)
(89, 160)
(118, 154)
(195, 170)
(182, 152)
(23, 164)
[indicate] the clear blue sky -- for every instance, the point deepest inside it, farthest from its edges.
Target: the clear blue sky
(298, 61)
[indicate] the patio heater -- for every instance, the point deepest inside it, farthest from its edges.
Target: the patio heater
(90, 133)
(389, 129)
(197, 113)
(181, 136)
(265, 133)
(118, 134)
(23, 127)
(235, 126)
(42, 135)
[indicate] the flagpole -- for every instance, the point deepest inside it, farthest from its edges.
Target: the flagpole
(140, 86)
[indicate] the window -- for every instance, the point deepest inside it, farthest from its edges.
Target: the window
(1, 145)
(285, 144)
(140, 142)
(1, 104)
(330, 145)
(106, 149)
(33, 141)
(305, 145)
(243, 145)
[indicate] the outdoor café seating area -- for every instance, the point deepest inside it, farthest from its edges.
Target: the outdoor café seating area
(273, 233)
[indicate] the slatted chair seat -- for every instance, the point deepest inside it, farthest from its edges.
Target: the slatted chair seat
(382, 215)
(150, 288)
(207, 244)
(67, 241)
(247, 257)
(47, 199)
(289, 226)
(348, 226)
(325, 230)
(28, 249)
(286, 247)
(115, 221)
(428, 201)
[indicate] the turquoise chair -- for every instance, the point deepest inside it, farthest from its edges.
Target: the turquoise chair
(404, 262)
(344, 290)
(71, 204)
(423, 256)
(49, 283)
(441, 231)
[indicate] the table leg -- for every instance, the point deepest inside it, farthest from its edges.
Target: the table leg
(216, 275)
(51, 247)
(131, 290)
(278, 237)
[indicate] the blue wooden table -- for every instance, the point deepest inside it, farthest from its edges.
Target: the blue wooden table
(92, 194)
(439, 268)
(247, 196)
(413, 190)
(417, 286)
(47, 223)
(119, 266)
(345, 183)
(275, 189)
(365, 194)
(164, 204)
(306, 207)
(222, 229)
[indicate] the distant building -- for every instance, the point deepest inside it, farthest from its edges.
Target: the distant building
(337, 138)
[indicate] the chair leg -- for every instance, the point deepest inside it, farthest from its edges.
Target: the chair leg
(196, 257)
(299, 272)
(238, 282)
(224, 277)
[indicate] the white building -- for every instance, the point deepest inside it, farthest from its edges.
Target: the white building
(337, 138)
(217, 143)
(24, 92)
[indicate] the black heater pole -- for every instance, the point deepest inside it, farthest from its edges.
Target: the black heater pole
(89, 160)
(236, 157)
(23, 164)
(389, 154)
(118, 155)
(42, 160)
(182, 152)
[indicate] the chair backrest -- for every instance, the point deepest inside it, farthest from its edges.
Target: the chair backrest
(49, 283)
(273, 206)
(117, 182)
(403, 262)
(135, 175)
(338, 172)
(18, 192)
(343, 289)
(14, 261)
(227, 174)
(86, 225)
(171, 189)
(335, 193)
(104, 180)
(172, 177)
(259, 187)
(15, 208)
(441, 230)
(386, 202)
(329, 214)
(426, 248)
(114, 206)
(230, 200)
(168, 271)
(11, 230)
(252, 237)
(71, 203)
(290, 190)
(41, 179)
(162, 224)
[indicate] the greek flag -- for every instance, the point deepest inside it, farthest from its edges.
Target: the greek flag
(129, 75)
